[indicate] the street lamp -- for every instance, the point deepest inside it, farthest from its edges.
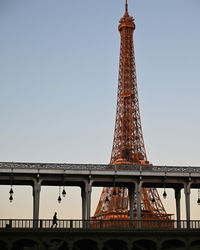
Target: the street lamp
(11, 191)
(198, 200)
(164, 193)
(59, 197)
(10, 198)
(63, 192)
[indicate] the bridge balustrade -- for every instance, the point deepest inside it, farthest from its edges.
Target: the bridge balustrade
(100, 224)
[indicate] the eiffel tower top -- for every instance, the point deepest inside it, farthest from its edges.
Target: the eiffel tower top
(126, 20)
(126, 7)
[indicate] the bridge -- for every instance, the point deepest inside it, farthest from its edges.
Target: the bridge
(98, 235)
(87, 176)
(74, 234)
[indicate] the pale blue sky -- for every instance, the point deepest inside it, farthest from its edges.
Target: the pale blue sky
(58, 81)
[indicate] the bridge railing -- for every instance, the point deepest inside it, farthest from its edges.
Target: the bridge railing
(100, 224)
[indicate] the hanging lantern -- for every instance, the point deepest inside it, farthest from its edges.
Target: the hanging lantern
(10, 198)
(59, 199)
(63, 192)
(107, 198)
(114, 192)
(198, 200)
(11, 191)
(164, 194)
(153, 199)
(59, 196)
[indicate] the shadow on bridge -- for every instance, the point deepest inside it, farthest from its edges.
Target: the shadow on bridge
(25, 234)
(87, 244)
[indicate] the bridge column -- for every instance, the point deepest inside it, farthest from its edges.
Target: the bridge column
(131, 199)
(129, 245)
(88, 199)
(187, 202)
(70, 245)
(178, 205)
(139, 188)
(159, 245)
(36, 199)
(84, 204)
(100, 245)
(9, 244)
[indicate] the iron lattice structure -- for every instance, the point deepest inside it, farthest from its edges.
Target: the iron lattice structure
(128, 144)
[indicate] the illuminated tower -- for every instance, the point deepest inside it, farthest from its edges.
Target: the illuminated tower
(128, 144)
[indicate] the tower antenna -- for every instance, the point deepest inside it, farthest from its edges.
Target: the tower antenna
(126, 6)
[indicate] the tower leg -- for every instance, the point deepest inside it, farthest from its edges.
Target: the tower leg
(178, 205)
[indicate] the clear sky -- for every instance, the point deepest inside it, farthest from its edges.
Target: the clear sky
(58, 83)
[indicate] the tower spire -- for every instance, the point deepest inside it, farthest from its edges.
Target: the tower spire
(126, 6)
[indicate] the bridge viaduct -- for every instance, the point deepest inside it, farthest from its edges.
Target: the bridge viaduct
(87, 176)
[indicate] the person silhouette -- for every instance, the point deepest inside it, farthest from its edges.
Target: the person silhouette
(55, 219)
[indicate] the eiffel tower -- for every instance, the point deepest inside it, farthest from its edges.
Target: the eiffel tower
(128, 144)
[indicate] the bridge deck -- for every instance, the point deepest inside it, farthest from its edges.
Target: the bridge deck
(101, 175)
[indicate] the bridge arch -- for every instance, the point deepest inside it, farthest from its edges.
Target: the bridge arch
(195, 243)
(24, 243)
(55, 243)
(85, 244)
(144, 244)
(172, 243)
(64, 246)
(115, 244)
(3, 245)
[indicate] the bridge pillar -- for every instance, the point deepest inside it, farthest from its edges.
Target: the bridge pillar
(139, 188)
(100, 245)
(187, 202)
(178, 205)
(88, 199)
(129, 245)
(159, 245)
(84, 203)
(36, 199)
(131, 199)
(70, 245)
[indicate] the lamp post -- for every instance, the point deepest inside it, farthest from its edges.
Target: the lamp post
(164, 193)
(64, 192)
(198, 200)
(11, 189)
(59, 196)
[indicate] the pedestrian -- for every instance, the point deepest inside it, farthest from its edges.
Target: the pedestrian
(55, 219)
